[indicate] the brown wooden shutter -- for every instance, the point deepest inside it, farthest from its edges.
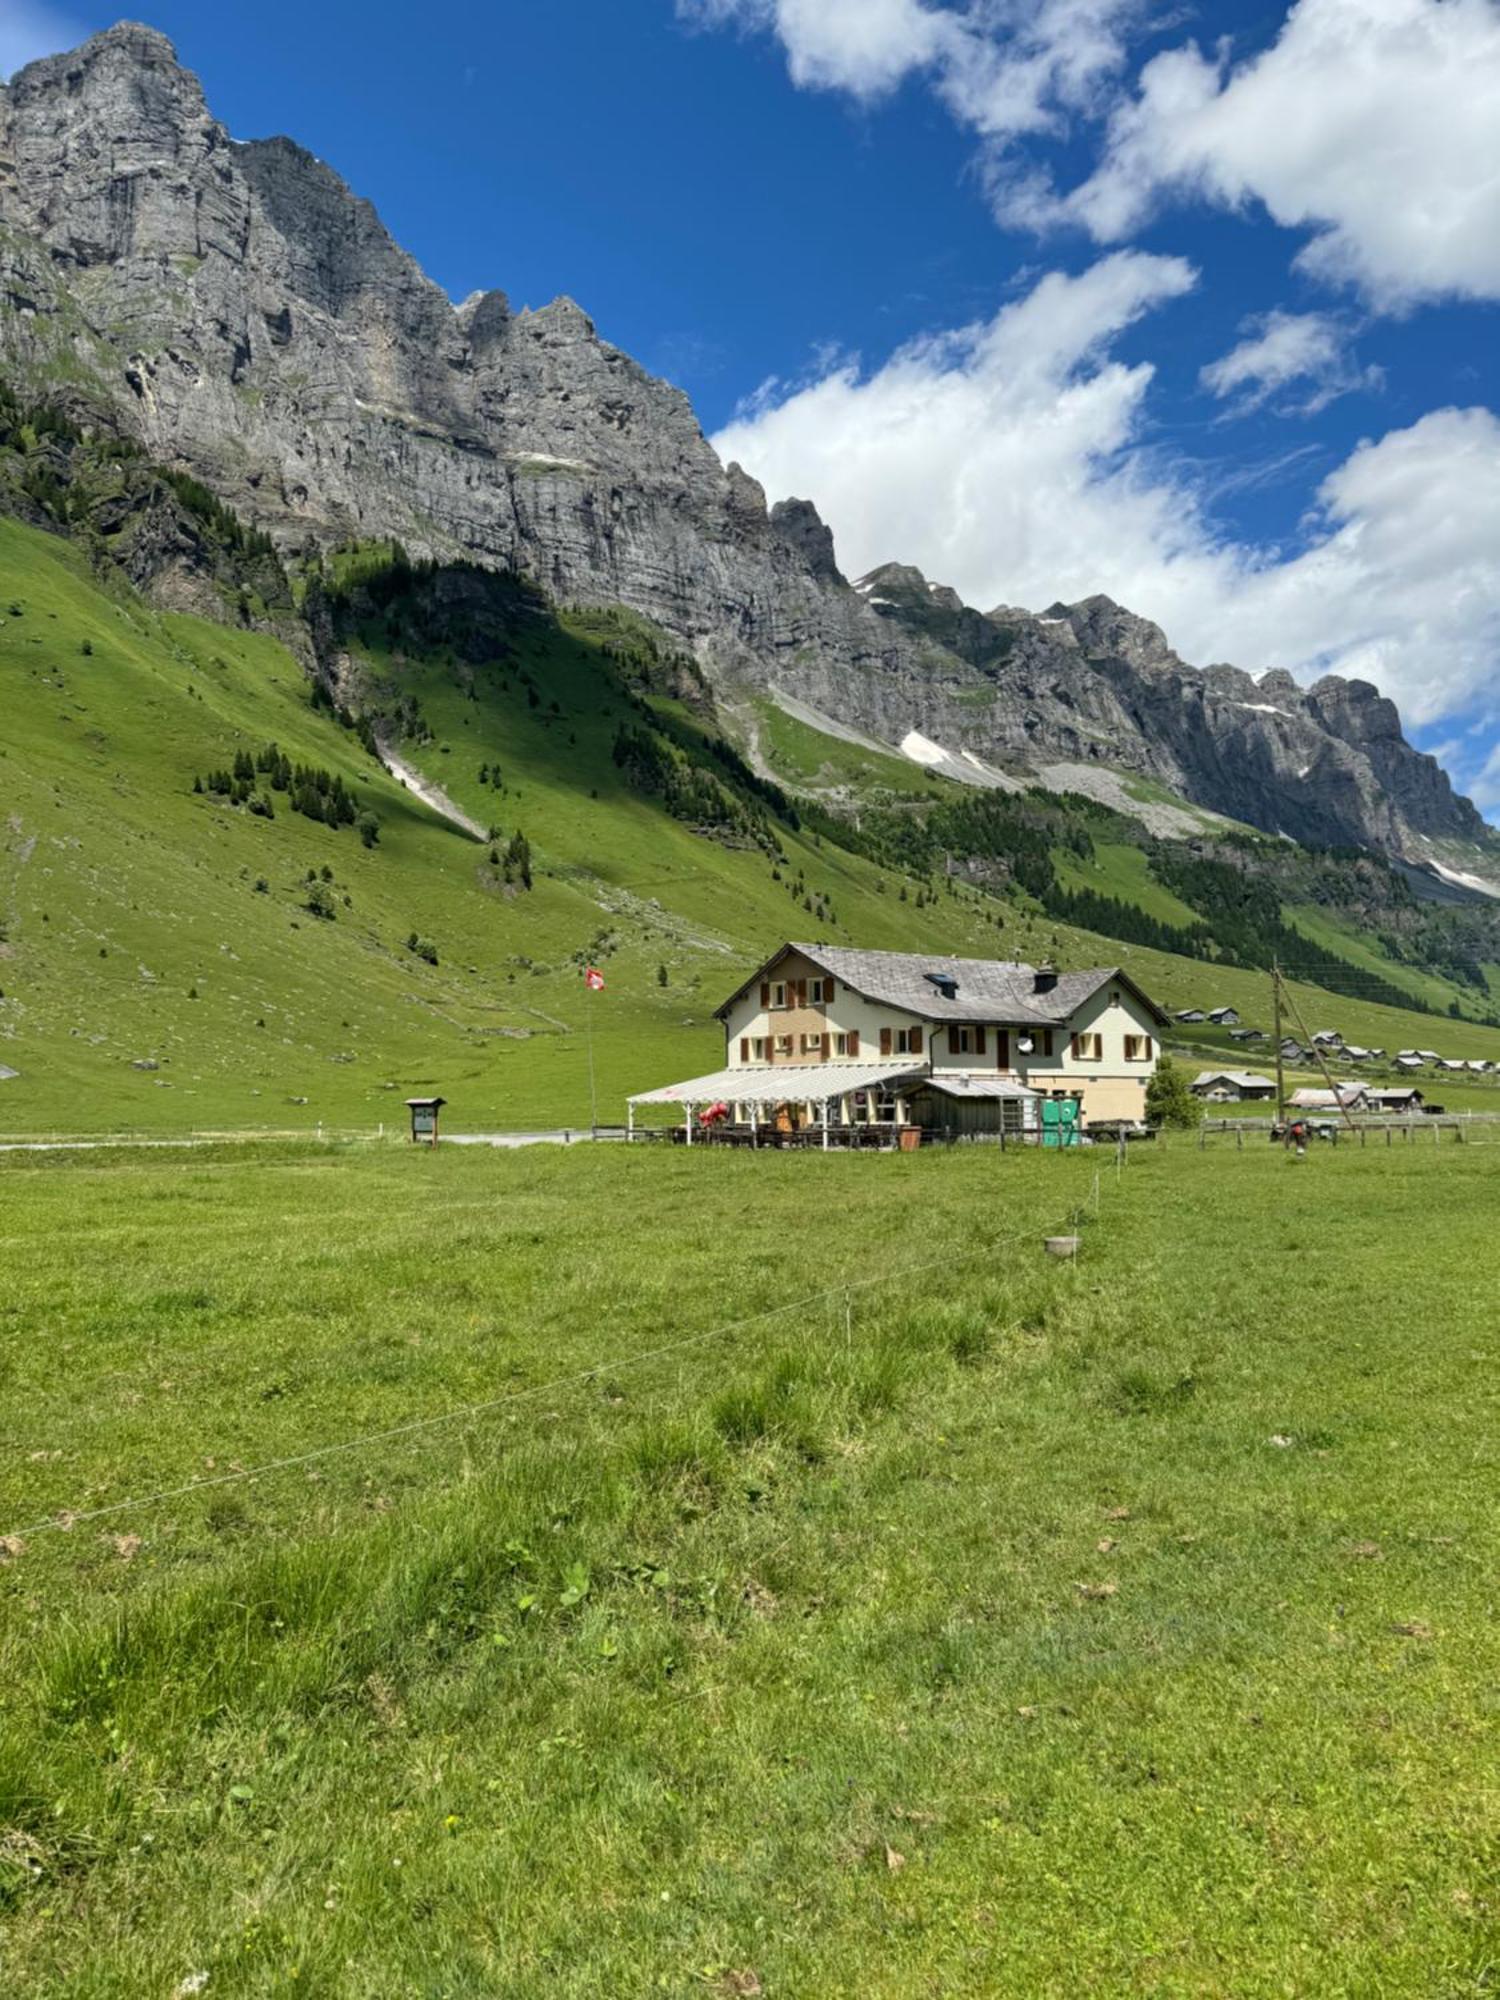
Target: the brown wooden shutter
(1002, 1048)
(854, 1041)
(827, 1045)
(744, 1048)
(770, 1048)
(765, 993)
(885, 1041)
(1076, 1040)
(979, 1041)
(916, 1041)
(801, 992)
(953, 1047)
(1150, 1050)
(1046, 1041)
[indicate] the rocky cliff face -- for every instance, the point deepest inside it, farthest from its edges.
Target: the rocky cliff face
(242, 313)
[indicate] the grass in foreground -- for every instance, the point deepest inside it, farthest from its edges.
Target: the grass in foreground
(1123, 1628)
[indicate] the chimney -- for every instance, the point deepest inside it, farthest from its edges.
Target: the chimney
(1046, 978)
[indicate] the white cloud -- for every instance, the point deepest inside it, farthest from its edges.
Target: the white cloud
(1484, 787)
(1370, 122)
(862, 46)
(29, 30)
(1013, 459)
(982, 454)
(1282, 349)
(1004, 67)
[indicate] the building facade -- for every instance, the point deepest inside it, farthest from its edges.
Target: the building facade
(945, 1032)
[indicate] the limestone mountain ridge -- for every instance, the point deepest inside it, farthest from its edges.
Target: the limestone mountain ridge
(237, 310)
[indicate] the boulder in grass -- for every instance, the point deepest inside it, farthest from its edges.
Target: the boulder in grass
(8, 1075)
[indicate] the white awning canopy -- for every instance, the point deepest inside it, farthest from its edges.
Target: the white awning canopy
(781, 1083)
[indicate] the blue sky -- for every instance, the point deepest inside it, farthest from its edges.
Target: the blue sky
(1194, 305)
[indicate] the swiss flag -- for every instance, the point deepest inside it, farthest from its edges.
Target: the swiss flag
(594, 979)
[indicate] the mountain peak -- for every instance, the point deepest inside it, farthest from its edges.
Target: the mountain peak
(247, 317)
(130, 42)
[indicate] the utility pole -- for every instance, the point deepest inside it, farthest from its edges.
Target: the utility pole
(1276, 1030)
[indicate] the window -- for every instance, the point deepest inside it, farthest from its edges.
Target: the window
(778, 993)
(812, 1045)
(1138, 1048)
(1088, 1048)
(885, 1110)
(759, 1048)
(965, 1041)
(841, 1045)
(783, 1045)
(908, 1041)
(819, 992)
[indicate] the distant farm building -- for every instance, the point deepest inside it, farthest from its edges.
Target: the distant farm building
(1343, 1097)
(1224, 1017)
(1233, 1086)
(1191, 1015)
(1406, 1098)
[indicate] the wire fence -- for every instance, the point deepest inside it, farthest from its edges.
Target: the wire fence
(66, 1519)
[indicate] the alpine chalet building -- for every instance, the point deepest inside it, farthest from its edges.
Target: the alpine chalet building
(821, 1037)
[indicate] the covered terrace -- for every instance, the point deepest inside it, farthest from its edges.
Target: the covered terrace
(798, 1103)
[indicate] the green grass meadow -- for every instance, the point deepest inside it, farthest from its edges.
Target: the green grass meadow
(837, 1597)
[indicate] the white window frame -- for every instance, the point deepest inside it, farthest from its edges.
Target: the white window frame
(784, 1045)
(841, 1045)
(778, 994)
(817, 992)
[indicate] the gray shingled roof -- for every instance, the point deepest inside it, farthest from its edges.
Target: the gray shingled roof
(988, 989)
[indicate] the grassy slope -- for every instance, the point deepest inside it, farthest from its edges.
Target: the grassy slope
(1124, 873)
(121, 893)
(808, 760)
(107, 851)
(769, 1658)
(1343, 937)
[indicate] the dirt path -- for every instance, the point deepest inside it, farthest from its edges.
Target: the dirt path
(430, 794)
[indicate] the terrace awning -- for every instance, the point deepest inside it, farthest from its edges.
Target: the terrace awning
(782, 1083)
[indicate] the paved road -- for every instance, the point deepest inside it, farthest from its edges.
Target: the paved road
(564, 1137)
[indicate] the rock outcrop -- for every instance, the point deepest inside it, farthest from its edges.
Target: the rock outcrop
(246, 317)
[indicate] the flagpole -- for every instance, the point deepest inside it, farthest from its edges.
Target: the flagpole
(588, 1015)
(593, 982)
